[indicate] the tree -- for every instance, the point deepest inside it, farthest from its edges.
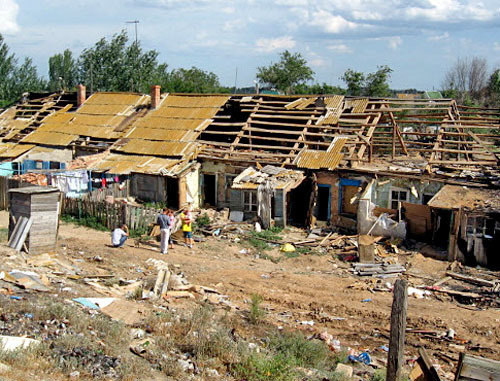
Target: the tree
(319, 89)
(355, 82)
(27, 78)
(63, 71)
(114, 66)
(7, 69)
(494, 87)
(292, 70)
(193, 80)
(371, 85)
(376, 84)
(14, 79)
(467, 78)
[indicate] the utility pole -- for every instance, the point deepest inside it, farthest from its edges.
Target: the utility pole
(134, 22)
(235, 80)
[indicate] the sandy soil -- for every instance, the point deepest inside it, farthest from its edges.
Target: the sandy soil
(307, 288)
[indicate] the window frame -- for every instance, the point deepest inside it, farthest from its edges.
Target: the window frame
(251, 205)
(399, 190)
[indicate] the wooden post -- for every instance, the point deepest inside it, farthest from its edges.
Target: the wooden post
(398, 328)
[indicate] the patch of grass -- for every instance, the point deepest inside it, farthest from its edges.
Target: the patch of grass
(379, 375)
(87, 221)
(4, 234)
(270, 234)
(270, 257)
(264, 367)
(302, 352)
(256, 312)
(203, 220)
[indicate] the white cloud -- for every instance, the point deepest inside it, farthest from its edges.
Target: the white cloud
(394, 42)
(268, 45)
(496, 46)
(8, 16)
(229, 10)
(232, 25)
(340, 48)
(439, 37)
(331, 23)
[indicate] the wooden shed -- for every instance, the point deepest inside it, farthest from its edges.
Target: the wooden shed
(41, 205)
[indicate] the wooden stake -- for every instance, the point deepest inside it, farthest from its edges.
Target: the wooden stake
(398, 328)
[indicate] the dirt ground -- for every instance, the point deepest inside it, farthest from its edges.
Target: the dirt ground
(298, 291)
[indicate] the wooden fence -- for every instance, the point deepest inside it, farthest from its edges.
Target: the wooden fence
(7, 183)
(111, 215)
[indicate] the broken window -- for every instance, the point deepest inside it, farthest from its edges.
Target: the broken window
(398, 195)
(250, 201)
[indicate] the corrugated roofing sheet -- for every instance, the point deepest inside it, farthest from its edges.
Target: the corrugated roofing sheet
(126, 164)
(160, 134)
(194, 101)
(157, 148)
(106, 109)
(49, 138)
(169, 124)
(116, 99)
(13, 150)
(315, 159)
(186, 113)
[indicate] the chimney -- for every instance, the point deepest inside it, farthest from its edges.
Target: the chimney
(81, 94)
(155, 96)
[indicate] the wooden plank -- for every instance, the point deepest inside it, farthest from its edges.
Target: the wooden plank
(395, 360)
(477, 368)
(24, 234)
(470, 279)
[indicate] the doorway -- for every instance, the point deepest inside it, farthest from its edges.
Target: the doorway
(442, 219)
(323, 202)
(210, 189)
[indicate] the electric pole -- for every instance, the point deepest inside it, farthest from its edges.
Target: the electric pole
(134, 22)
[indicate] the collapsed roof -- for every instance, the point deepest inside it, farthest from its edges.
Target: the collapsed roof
(435, 137)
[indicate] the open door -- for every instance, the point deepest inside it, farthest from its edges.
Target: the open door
(210, 189)
(323, 202)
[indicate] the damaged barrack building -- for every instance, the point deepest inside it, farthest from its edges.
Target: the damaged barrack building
(421, 169)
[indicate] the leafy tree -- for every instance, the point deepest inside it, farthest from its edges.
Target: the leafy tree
(14, 79)
(376, 83)
(494, 87)
(193, 80)
(371, 85)
(319, 89)
(27, 78)
(291, 71)
(63, 71)
(7, 69)
(355, 82)
(114, 66)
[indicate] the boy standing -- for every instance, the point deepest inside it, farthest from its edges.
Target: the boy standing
(164, 223)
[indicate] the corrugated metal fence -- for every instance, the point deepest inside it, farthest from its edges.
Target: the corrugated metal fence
(110, 215)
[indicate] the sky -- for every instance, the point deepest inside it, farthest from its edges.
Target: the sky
(419, 39)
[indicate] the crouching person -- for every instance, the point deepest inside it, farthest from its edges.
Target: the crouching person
(119, 236)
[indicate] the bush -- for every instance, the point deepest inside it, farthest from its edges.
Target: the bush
(262, 367)
(301, 351)
(256, 312)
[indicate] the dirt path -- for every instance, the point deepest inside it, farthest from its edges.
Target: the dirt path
(297, 290)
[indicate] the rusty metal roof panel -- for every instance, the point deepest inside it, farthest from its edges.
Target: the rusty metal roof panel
(185, 112)
(115, 99)
(126, 164)
(168, 123)
(159, 148)
(49, 138)
(329, 159)
(99, 120)
(158, 134)
(194, 101)
(13, 150)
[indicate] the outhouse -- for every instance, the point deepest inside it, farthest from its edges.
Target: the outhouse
(41, 205)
